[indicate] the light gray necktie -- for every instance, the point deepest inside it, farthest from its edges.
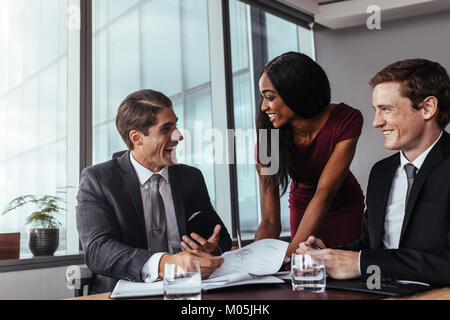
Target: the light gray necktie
(157, 233)
(410, 174)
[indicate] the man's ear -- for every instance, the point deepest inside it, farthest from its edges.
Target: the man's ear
(135, 137)
(429, 107)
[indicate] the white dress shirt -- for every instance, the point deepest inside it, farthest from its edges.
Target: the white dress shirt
(395, 208)
(150, 269)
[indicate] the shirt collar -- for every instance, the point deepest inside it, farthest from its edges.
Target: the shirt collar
(144, 174)
(420, 159)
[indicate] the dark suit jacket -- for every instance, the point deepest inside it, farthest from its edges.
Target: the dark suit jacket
(424, 249)
(110, 218)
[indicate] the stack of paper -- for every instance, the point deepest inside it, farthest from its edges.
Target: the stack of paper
(254, 264)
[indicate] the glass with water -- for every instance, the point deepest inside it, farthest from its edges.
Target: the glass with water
(308, 272)
(182, 283)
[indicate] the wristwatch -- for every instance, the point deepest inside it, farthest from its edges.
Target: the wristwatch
(286, 261)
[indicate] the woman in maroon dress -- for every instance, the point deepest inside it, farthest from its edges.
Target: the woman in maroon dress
(316, 147)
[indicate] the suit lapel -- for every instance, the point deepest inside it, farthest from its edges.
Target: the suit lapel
(132, 186)
(177, 201)
(383, 188)
(433, 159)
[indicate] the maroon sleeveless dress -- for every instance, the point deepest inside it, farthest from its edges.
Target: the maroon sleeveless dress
(342, 223)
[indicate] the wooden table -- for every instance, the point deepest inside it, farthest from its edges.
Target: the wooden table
(284, 292)
(438, 294)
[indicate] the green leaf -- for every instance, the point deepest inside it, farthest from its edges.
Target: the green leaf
(49, 207)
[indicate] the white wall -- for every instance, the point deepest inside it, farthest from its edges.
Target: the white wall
(352, 56)
(39, 284)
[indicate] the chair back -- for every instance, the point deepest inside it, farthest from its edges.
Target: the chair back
(118, 154)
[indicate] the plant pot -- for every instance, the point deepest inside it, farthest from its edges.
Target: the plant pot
(9, 246)
(43, 242)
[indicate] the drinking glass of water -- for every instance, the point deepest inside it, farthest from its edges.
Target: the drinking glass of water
(182, 283)
(308, 272)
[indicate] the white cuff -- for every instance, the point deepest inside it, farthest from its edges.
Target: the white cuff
(150, 270)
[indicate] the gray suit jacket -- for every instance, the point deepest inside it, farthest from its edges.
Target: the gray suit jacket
(110, 218)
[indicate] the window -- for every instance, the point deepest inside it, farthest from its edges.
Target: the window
(34, 60)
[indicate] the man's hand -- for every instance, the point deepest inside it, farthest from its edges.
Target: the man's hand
(210, 246)
(339, 264)
(305, 247)
(208, 263)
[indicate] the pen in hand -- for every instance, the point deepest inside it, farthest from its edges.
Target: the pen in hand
(239, 240)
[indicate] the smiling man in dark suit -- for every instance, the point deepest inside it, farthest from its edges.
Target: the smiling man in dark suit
(133, 210)
(405, 230)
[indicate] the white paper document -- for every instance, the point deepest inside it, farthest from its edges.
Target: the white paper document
(243, 280)
(254, 264)
(259, 258)
(128, 289)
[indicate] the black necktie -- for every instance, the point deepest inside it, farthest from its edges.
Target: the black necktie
(410, 174)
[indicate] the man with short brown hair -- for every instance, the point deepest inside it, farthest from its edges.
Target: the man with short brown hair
(419, 79)
(406, 226)
(141, 210)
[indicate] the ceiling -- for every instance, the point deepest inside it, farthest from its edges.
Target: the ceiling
(336, 14)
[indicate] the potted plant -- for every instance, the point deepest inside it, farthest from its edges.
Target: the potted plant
(44, 237)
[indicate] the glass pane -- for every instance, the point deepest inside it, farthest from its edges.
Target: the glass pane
(195, 44)
(151, 44)
(305, 38)
(33, 109)
(123, 72)
(244, 115)
(245, 143)
(118, 7)
(279, 36)
(197, 106)
(162, 46)
(239, 36)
